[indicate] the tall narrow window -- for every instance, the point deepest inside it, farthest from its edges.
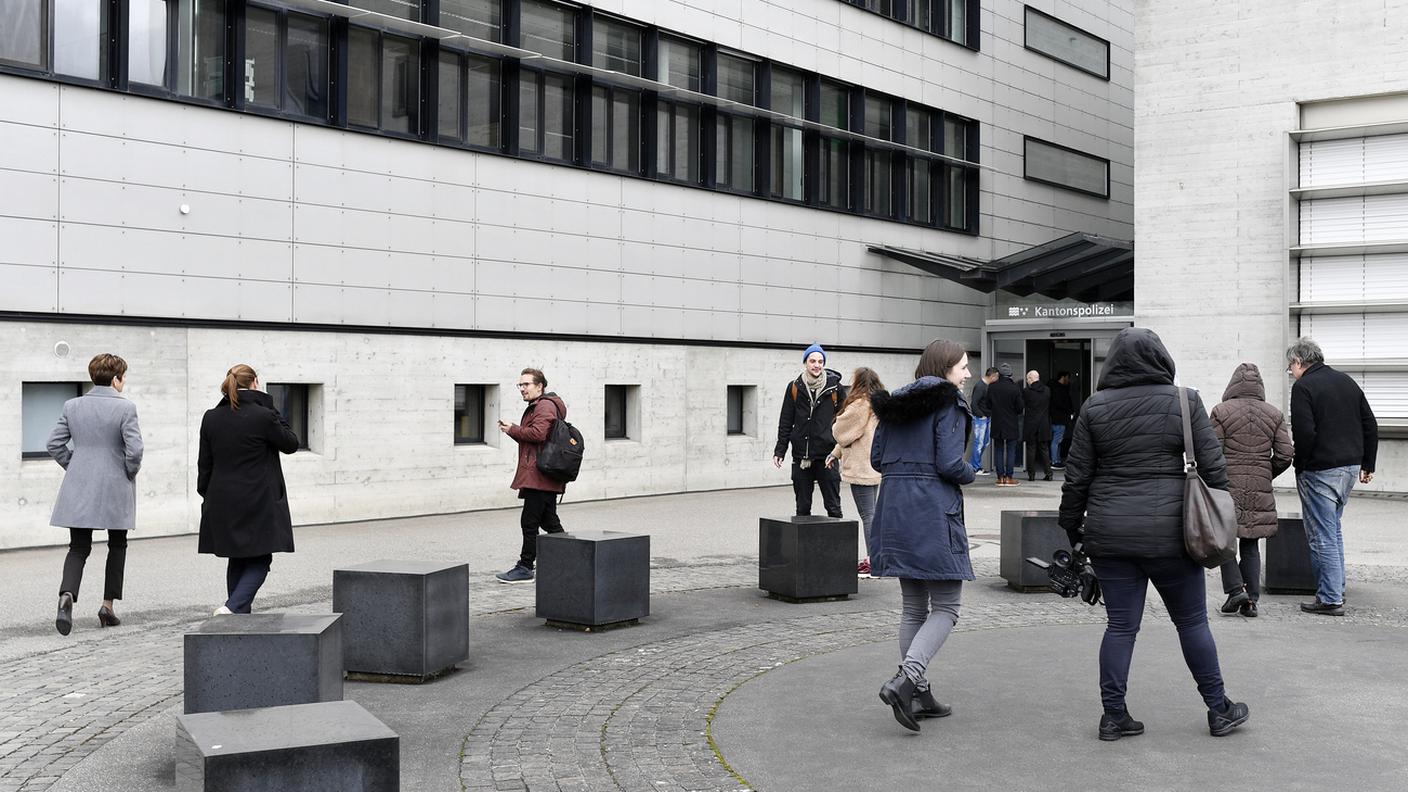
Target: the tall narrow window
(483, 102)
(383, 78)
(24, 33)
(362, 87)
(80, 37)
(478, 18)
(545, 115)
(677, 142)
(616, 417)
(549, 29)
(834, 177)
(919, 180)
(788, 94)
(146, 42)
(261, 57)
(450, 85)
(958, 21)
(616, 128)
(879, 164)
(291, 402)
(200, 52)
(306, 67)
(734, 135)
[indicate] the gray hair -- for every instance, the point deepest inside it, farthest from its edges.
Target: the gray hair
(1306, 351)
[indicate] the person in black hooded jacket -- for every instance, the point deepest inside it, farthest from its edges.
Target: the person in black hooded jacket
(809, 408)
(1122, 503)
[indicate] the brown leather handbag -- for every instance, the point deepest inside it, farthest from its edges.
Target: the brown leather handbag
(1209, 515)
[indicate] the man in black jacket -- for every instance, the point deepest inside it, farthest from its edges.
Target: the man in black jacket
(1004, 406)
(1337, 440)
(1036, 429)
(808, 409)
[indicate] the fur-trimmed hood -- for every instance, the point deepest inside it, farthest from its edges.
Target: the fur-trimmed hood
(916, 400)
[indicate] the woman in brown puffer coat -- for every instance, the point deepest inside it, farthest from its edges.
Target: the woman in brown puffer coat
(1258, 448)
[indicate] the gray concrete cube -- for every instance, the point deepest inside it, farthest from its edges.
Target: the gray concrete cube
(1288, 569)
(403, 618)
(334, 746)
(1028, 533)
(804, 558)
(593, 579)
(263, 660)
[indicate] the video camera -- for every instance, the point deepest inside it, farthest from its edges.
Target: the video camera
(1070, 575)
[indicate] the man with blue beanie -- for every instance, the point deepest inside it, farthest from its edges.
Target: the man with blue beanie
(808, 409)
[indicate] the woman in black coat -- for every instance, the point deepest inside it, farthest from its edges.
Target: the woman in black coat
(244, 516)
(1122, 503)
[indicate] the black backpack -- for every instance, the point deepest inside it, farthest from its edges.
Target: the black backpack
(560, 457)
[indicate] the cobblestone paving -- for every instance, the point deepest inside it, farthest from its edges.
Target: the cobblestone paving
(631, 720)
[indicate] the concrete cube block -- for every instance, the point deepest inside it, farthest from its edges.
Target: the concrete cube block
(593, 579)
(803, 559)
(1288, 569)
(263, 660)
(1028, 533)
(403, 618)
(334, 746)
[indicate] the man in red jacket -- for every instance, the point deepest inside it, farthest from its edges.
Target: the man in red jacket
(539, 493)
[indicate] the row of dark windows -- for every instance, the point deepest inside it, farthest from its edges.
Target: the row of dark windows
(271, 60)
(955, 20)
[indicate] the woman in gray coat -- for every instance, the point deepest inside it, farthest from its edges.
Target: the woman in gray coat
(97, 441)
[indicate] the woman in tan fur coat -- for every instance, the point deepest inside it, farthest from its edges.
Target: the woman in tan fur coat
(854, 430)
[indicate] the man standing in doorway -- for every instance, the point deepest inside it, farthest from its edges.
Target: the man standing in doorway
(538, 492)
(1062, 411)
(1005, 408)
(808, 409)
(982, 423)
(1036, 428)
(1337, 441)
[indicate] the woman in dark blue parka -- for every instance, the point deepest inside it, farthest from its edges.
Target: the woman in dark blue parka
(919, 535)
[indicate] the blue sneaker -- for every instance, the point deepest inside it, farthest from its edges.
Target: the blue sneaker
(519, 574)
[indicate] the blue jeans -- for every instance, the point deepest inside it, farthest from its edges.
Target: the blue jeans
(1323, 496)
(981, 434)
(243, 577)
(1058, 433)
(1182, 585)
(864, 496)
(1004, 456)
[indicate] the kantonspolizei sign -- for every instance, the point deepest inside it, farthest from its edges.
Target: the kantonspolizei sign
(1067, 310)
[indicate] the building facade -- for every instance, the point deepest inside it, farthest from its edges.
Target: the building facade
(389, 208)
(1272, 195)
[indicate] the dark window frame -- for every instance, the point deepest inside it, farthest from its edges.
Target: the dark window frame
(78, 388)
(943, 29)
(422, 119)
(1027, 44)
(540, 97)
(609, 127)
(615, 393)
(738, 393)
(1026, 175)
(281, 17)
(482, 438)
(304, 413)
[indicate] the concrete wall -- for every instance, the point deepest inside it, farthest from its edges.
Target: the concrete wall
(1217, 88)
(384, 444)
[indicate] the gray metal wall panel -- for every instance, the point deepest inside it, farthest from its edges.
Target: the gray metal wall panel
(108, 203)
(30, 287)
(30, 195)
(182, 167)
(139, 294)
(28, 148)
(33, 242)
(107, 247)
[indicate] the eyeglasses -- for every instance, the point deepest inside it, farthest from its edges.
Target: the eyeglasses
(526, 384)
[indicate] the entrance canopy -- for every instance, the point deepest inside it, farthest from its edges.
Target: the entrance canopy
(1079, 266)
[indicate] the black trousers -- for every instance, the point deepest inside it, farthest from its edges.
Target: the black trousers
(243, 577)
(539, 511)
(80, 545)
(828, 480)
(1038, 457)
(1245, 570)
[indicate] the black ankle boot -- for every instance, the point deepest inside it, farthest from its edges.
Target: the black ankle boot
(64, 621)
(926, 706)
(1114, 725)
(899, 694)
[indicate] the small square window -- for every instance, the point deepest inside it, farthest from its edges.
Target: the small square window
(291, 400)
(742, 414)
(470, 402)
(41, 405)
